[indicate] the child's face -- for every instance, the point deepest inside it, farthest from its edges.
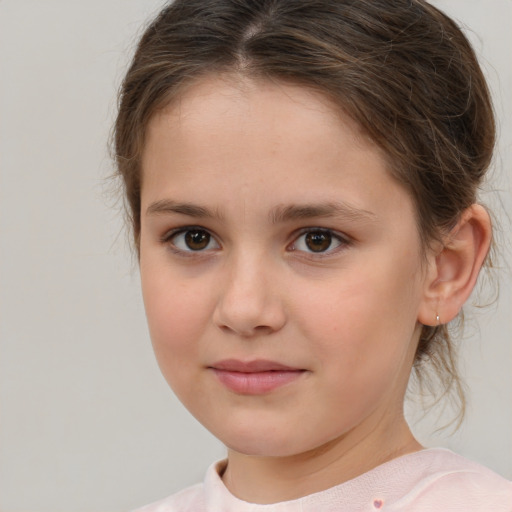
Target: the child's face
(273, 235)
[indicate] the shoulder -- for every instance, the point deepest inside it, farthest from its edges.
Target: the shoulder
(190, 499)
(449, 482)
(197, 498)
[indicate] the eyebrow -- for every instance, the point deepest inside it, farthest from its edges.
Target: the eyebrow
(279, 214)
(286, 213)
(167, 206)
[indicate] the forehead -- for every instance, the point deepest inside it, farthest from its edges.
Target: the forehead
(259, 133)
(232, 97)
(260, 108)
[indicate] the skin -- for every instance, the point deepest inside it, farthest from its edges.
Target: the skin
(239, 154)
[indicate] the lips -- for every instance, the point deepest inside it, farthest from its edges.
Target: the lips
(254, 377)
(259, 365)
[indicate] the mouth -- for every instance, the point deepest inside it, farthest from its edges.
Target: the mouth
(256, 377)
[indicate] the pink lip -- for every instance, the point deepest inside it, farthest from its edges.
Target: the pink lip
(254, 377)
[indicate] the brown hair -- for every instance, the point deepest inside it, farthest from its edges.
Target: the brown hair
(401, 68)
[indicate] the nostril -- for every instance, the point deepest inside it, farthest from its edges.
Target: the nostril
(259, 330)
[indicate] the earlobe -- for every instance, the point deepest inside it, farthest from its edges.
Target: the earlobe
(454, 269)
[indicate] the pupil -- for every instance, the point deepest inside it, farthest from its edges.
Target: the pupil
(318, 241)
(197, 240)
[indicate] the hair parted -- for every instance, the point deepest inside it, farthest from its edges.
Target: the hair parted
(401, 68)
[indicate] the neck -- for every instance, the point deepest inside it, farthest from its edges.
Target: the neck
(263, 480)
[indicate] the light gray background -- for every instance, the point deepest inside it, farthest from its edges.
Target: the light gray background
(87, 422)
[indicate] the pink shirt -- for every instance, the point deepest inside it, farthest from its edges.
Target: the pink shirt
(431, 480)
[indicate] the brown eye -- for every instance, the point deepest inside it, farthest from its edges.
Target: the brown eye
(318, 241)
(197, 240)
(193, 240)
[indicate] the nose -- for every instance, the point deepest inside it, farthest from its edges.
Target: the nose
(249, 303)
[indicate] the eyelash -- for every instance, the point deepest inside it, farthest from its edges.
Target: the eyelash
(170, 237)
(342, 241)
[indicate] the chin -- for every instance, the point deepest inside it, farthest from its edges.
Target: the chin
(268, 442)
(257, 441)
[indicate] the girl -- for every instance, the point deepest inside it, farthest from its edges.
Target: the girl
(301, 177)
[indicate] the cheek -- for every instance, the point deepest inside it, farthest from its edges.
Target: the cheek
(177, 315)
(364, 320)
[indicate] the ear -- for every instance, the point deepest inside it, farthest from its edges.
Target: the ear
(453, 271)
